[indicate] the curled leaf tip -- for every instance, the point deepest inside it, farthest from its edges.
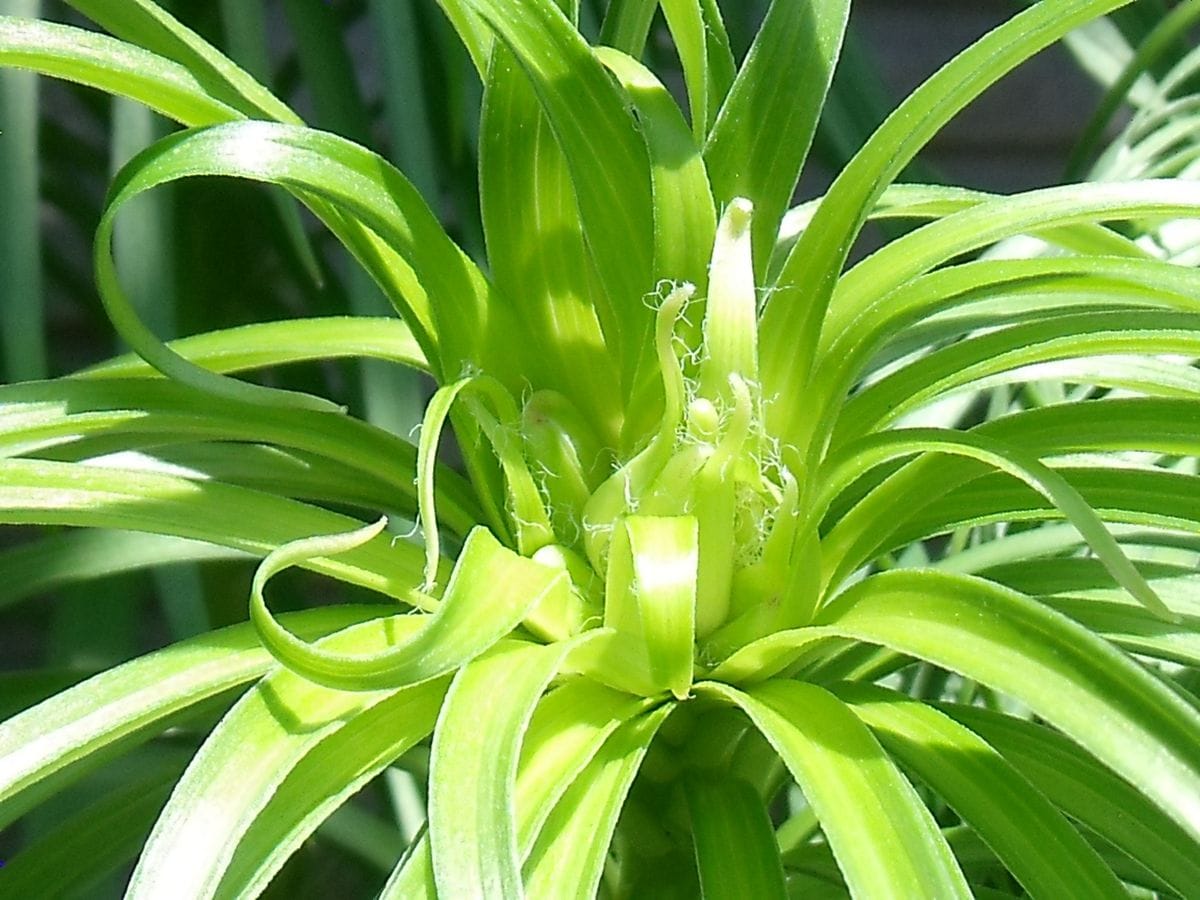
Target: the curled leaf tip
(273, 635)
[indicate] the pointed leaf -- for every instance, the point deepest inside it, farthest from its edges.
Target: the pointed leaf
(792, 321)
(765, 127)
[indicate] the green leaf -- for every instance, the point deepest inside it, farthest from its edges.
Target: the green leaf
(113, 66)
(49, 493)
(285, 719)
(1166, 33)
(413, 875)
(685, 219)
(1061, 671)
(1037, 844)
(472, 30)
(844, 468)
(1131, 630)
(981, 224)
(1153, 424)
(143, 23)
(736, 853)
(528, 204)
(494, 412)
(612, 189)
(436, 412)
(885, 840)
(78, 419)
(1147, 498)
(627, 25)
(81, 420)
(792, 320)
(651, 597)
(730, 315)
(287, 473)
(91, 845)
(122, 69)
(45, 746)
(439, 283)
(568, 728)
(573, 844)
(145, 256)
(473, 770)
(490, 591)
(685, 19)
(988, 292)
(1069, 336)
(765, 127)
(1090, 793)
(266, 344)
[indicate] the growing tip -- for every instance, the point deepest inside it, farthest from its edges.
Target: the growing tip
(737, 216)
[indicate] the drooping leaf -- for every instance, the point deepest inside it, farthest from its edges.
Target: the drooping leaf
(148, 25)
(1030, 836)
(437, 283)
(284, 718)
(1089, 793)
(45, 746)
(885, 840)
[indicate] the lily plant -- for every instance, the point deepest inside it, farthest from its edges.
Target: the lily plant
(766, 573)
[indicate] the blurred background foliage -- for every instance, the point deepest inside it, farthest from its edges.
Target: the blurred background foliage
(391, 75)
